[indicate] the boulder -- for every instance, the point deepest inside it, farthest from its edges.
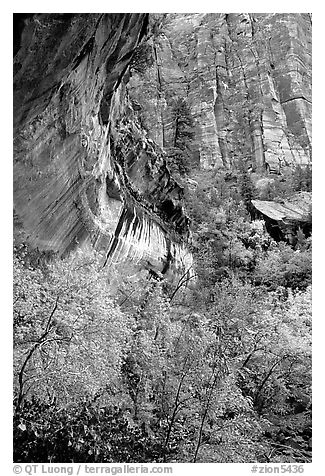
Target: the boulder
(284, 218)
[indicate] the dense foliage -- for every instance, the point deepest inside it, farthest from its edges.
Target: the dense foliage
(142, 58)
(112, 368)
(120, 365)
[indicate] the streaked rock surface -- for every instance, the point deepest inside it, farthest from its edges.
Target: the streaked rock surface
(84, 170)
(246, 79)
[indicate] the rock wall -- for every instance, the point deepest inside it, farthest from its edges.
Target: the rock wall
(84, 170)
(89, 164)
(246, 79)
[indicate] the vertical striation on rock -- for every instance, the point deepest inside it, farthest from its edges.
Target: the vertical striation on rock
(246, 79)
(84, 170)
(92, 137)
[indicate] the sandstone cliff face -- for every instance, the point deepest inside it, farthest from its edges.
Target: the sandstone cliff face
(84, 170)
(246, 79)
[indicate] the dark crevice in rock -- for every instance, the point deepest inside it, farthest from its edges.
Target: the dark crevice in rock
(169, 259)
(145, 27)
(86, 50)
(219, 114)
(296, 98)
(19, 22)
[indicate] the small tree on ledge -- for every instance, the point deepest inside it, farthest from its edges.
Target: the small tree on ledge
(184, 133)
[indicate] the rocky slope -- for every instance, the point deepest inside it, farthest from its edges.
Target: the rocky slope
(84, 169)
(246, 79)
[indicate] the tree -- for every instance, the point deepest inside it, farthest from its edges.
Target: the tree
(142, 58)
(217, 373)
(247, 188)
(183, 134)
(69, 335)
(302, 178)
(184, 123)
(284, 266)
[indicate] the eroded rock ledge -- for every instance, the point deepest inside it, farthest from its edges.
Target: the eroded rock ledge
(84, 170)
(284, 218)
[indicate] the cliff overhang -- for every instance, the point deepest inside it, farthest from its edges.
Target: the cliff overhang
(84, 169)
(284, 218)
